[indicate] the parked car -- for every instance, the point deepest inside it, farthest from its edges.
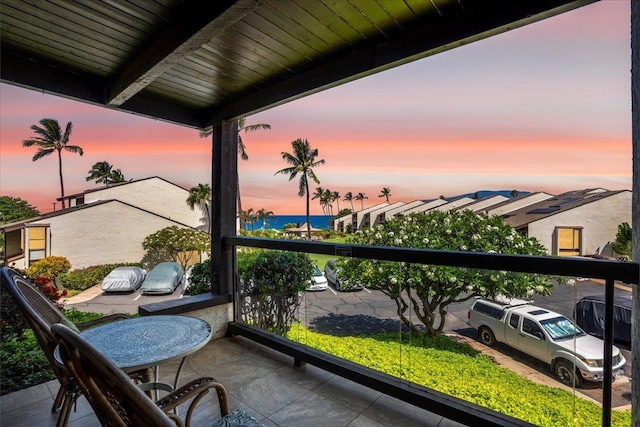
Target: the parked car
(332, 273)
(589, 315)
(164, 278)
(573, 355)
(123, 279)
(318, 282)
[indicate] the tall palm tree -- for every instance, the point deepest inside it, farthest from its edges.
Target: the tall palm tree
(361, 197)
(102, 172)
(335, 197)
(326, 200)
(49, 139)
(242, 149)
(302, 162)
(385, 192)
(318, 194)
(201, 196)
(264, 215)
(514, 193)
(349, 198)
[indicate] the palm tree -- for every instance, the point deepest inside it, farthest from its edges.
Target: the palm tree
(326, 201)
(102, 172)
(385, 192)
(335, 197)
(264, 215)
(514, 193)
(318, 195)
(349, 198)
(49, 139)
(361, 197)
(201, 195)
(302, 162)
(242, 149)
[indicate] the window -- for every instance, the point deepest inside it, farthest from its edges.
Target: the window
(530, 327)
(513, 320)
(568, 241)
(36, 243)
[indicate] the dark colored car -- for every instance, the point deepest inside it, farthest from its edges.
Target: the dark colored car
(589, 315)
(331, 271)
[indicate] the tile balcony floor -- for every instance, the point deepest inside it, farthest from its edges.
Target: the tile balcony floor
(260, 380)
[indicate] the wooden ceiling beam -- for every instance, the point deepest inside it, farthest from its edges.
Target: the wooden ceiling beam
(475, 20)
(203, 21)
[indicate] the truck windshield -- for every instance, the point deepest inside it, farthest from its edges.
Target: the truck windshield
(560, 328)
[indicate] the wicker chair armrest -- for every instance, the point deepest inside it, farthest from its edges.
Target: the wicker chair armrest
(195, 390)
(106, 319)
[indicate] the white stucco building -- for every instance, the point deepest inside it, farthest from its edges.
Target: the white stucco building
(102, 226)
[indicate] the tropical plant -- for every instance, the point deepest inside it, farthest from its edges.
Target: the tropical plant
(335, 197)
(349, 198)
(386, 193)
(49, 139)
(361, 197)
(201, 196)
(264, 216)
(13, 209)
(178, 243)
(200, 278)
(242, 149)
(514, 193)
(623, 245)
(50, 267)
(103, 173)
(272, 286)
(427, 290)
(302, 162)
(247, 217)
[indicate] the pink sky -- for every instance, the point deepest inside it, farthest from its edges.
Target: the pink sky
(541, 108)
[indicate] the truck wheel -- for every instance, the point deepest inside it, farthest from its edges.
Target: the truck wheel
(486, 336)
(568, 374)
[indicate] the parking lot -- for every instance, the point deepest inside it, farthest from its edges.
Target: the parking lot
(365, 312)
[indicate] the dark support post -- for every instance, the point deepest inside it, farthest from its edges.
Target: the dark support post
(224, 178)
(607, 372)
(635, 209)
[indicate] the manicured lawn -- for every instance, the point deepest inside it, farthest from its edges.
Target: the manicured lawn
(321, 260)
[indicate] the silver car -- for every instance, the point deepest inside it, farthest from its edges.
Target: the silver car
(332, 271)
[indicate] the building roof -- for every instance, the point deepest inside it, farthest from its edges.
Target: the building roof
(193, 62)
(555, 205)
(120, 184)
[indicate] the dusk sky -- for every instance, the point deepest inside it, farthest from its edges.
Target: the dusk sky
(541, 108)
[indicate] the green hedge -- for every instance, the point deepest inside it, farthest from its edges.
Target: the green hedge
(453, 368)
(79, 280)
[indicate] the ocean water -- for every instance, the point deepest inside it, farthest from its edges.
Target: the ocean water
(278, 221)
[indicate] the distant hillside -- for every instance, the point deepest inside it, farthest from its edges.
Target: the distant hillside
(481, 194)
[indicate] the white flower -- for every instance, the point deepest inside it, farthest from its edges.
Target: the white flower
(393, 280)
(504, 273)
(463, 248)
(539, 288)
(453, 279)
(397, 241)
(571, 282)
(448, 231)
(469, 287)
(378, 236)
(529, 292)
(509, 238)
(447, 221)
(475, 237)
(425, 241)
(391, 234)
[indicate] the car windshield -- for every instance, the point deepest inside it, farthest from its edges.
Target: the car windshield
(317, 272)
(560, 328)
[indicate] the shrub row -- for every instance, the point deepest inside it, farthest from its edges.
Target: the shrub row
(452, 368)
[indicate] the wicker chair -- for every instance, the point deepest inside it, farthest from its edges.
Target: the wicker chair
(41, 315)
(118, 402)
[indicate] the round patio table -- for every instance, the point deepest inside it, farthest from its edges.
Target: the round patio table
(149, 341)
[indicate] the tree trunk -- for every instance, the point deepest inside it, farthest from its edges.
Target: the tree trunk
(306, 184)
(61, 181)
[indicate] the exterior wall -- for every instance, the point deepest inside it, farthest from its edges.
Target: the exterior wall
(520, 203)
(103, 234)
(157, 196)
(375, 217)
(359, 216)
(599, 221)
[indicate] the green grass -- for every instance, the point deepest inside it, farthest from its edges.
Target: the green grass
(319, 259)
(457, 370)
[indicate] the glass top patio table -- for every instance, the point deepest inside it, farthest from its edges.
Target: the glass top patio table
(148, 341)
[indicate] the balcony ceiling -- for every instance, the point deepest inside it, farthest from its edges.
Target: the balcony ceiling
(195, 61)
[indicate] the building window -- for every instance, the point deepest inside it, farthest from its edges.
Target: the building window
(37, 243)
(569, 241)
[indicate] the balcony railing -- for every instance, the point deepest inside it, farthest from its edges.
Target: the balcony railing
(442, 404)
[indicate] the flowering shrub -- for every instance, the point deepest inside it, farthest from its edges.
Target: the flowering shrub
(50, 267)
(178, 243)
(426, 290)
(45, 285)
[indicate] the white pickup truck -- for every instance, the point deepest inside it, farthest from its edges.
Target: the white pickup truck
(573, 355)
